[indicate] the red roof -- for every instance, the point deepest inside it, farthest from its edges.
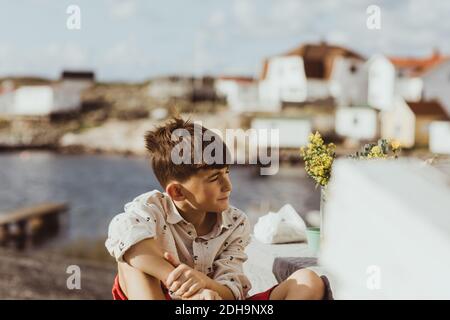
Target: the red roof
(237, 78)
(318, 58)
(418, 66)
(428, 108)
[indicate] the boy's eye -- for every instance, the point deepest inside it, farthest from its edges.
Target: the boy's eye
(216, 177)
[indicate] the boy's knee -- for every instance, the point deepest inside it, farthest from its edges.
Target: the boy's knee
(309, 278)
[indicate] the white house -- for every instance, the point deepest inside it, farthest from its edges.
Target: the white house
(40, 100)
(358, 123)
(436, 83)
(284, 80)
(304, 74)
(440, 137)
(364, 83)
(76, 80)
(380, 82)
(241, 93)
(398, 123)
(292, 132)
(409, 122)
(420, 78)
(349, 77)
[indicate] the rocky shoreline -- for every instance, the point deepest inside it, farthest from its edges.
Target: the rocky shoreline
(43, 275)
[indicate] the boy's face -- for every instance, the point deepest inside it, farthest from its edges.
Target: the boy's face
(209, 190)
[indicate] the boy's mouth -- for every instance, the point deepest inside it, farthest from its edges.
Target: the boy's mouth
(223, 199)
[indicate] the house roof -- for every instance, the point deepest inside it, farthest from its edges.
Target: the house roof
(414, 67)
(84, 75)
(237, 78)
(428, 108)
(318, 58)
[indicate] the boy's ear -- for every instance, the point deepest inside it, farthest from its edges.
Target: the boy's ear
(173, 189)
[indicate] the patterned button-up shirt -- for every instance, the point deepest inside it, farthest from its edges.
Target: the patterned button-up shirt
(218, 254)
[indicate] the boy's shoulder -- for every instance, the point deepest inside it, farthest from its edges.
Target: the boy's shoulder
(236, 213)
(237, 220)
(150, 204)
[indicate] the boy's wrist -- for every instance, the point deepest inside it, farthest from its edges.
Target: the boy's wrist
(209, 283)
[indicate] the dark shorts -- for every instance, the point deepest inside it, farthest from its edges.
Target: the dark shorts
(119, 295)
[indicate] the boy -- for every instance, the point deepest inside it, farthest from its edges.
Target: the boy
(188, 242)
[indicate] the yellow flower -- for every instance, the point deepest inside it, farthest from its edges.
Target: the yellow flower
(395, 145)
(318, 158)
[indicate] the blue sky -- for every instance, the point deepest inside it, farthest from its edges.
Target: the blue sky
(133, 40)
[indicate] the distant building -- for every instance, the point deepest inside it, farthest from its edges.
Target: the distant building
(178, 87)
(305, 73)
(436, 83)
(409, 122)
(423, 78)
(425, 113)
(240, 93)
(358, 123)
(40, 100)
(293, 132)
(283, 80)
(365, 83)
(440, 137)
(165, 88)
(30, 96)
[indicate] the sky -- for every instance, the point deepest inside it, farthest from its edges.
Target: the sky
(133, 40)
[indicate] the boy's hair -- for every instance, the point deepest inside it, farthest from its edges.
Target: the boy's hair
(160, 143)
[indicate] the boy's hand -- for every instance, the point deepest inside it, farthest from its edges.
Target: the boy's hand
(184, 281)
(204, 294)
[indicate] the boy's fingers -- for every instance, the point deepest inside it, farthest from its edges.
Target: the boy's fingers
(184, 287)
(192, 290)
(175, 274)
(175, 286)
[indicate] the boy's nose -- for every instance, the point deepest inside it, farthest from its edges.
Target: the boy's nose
(226, 185)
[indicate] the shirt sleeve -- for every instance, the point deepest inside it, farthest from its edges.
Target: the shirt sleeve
(127, 229)
(229, 264)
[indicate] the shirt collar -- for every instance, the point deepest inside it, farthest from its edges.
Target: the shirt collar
(226, 220)
(173, 215)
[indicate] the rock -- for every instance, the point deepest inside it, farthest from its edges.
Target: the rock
(44, 275)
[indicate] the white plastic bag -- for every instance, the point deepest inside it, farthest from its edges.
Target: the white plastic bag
(281, 227)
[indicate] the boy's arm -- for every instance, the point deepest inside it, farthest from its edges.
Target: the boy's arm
(221, 289)
(147, 256)
(224, 292)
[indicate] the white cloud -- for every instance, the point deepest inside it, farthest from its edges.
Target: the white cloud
(47, 61)
(122, 9)
(216, 19)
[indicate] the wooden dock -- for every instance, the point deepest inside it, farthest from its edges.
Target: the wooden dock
(30, 223)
